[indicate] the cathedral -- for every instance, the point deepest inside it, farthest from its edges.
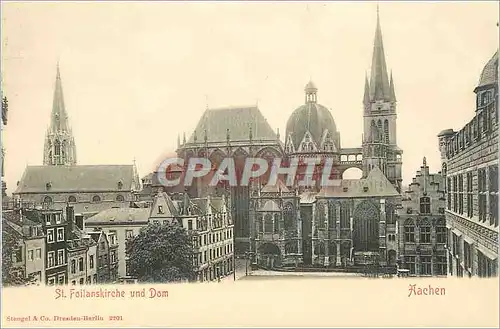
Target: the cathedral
(309, 225)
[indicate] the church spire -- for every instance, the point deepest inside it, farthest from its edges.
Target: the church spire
(59, 143)
(379, 81)
(366, 98)
(392, 94)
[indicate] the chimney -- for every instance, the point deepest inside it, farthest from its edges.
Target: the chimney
(70, 217)
(79, 222)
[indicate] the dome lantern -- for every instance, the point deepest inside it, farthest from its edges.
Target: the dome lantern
(311, 92)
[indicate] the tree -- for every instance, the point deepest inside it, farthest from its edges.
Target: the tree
(161, 253)
(9, 246)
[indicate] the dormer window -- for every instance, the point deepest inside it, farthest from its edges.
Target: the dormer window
(365, 188)
(48, 186)
(96, 198)
(160, 209)
(345, 189)
(120, 185)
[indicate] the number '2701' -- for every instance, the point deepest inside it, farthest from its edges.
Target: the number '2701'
(115, 318)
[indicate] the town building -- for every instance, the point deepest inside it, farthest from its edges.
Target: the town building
(470, 164)
(421, 242)
(124, 223)
(209, 221)
(89, 188)
(28, 259)
(107, 256)
(55, 229)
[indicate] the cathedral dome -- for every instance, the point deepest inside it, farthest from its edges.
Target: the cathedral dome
(489, 75)
(312, 118)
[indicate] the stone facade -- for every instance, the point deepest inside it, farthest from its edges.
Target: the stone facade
(209, 221)
(421, 241)
(470, 163)
(125, 223)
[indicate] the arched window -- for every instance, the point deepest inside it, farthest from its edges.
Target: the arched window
(332, 215)
(320, 214)
(96, 198)
(268, 223)
(57, 148)
(276, 223)
(380, 129)
(120, 198)
(425, 231)
(409, 231)
(120, 185)
(386, 131)
(47, 200)
(288, 216)
(72, 199)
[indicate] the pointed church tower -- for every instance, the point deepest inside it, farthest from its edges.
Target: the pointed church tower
(379, 119)
(59, 149)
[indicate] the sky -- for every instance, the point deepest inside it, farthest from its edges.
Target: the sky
(135, 75)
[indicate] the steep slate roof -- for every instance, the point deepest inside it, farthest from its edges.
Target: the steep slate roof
(378, 186)
(170, 209)
(86, 178)
(120, 215)
(238, 120)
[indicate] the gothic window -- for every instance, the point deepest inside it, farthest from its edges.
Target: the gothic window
(96, 198)
(344, 216)
(366, 227)
(276, 224)
(386, 131)
(425, 232)
(268, 223)
(379, 126)
(409, 231)
(120, 198)
(72, 199)
(374, 132)
(320, 214)
(332, 215)
(425, 205)
(390, 213)
(57, 148)
(288, 214)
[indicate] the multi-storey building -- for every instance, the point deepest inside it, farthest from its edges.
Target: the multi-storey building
(28, 259)
(125, 223)
(209, 221)
(470, 163)
(55, 227)
(421, 238)
(107, 256)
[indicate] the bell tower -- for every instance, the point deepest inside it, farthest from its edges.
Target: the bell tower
(379, 118)
(59, 149)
